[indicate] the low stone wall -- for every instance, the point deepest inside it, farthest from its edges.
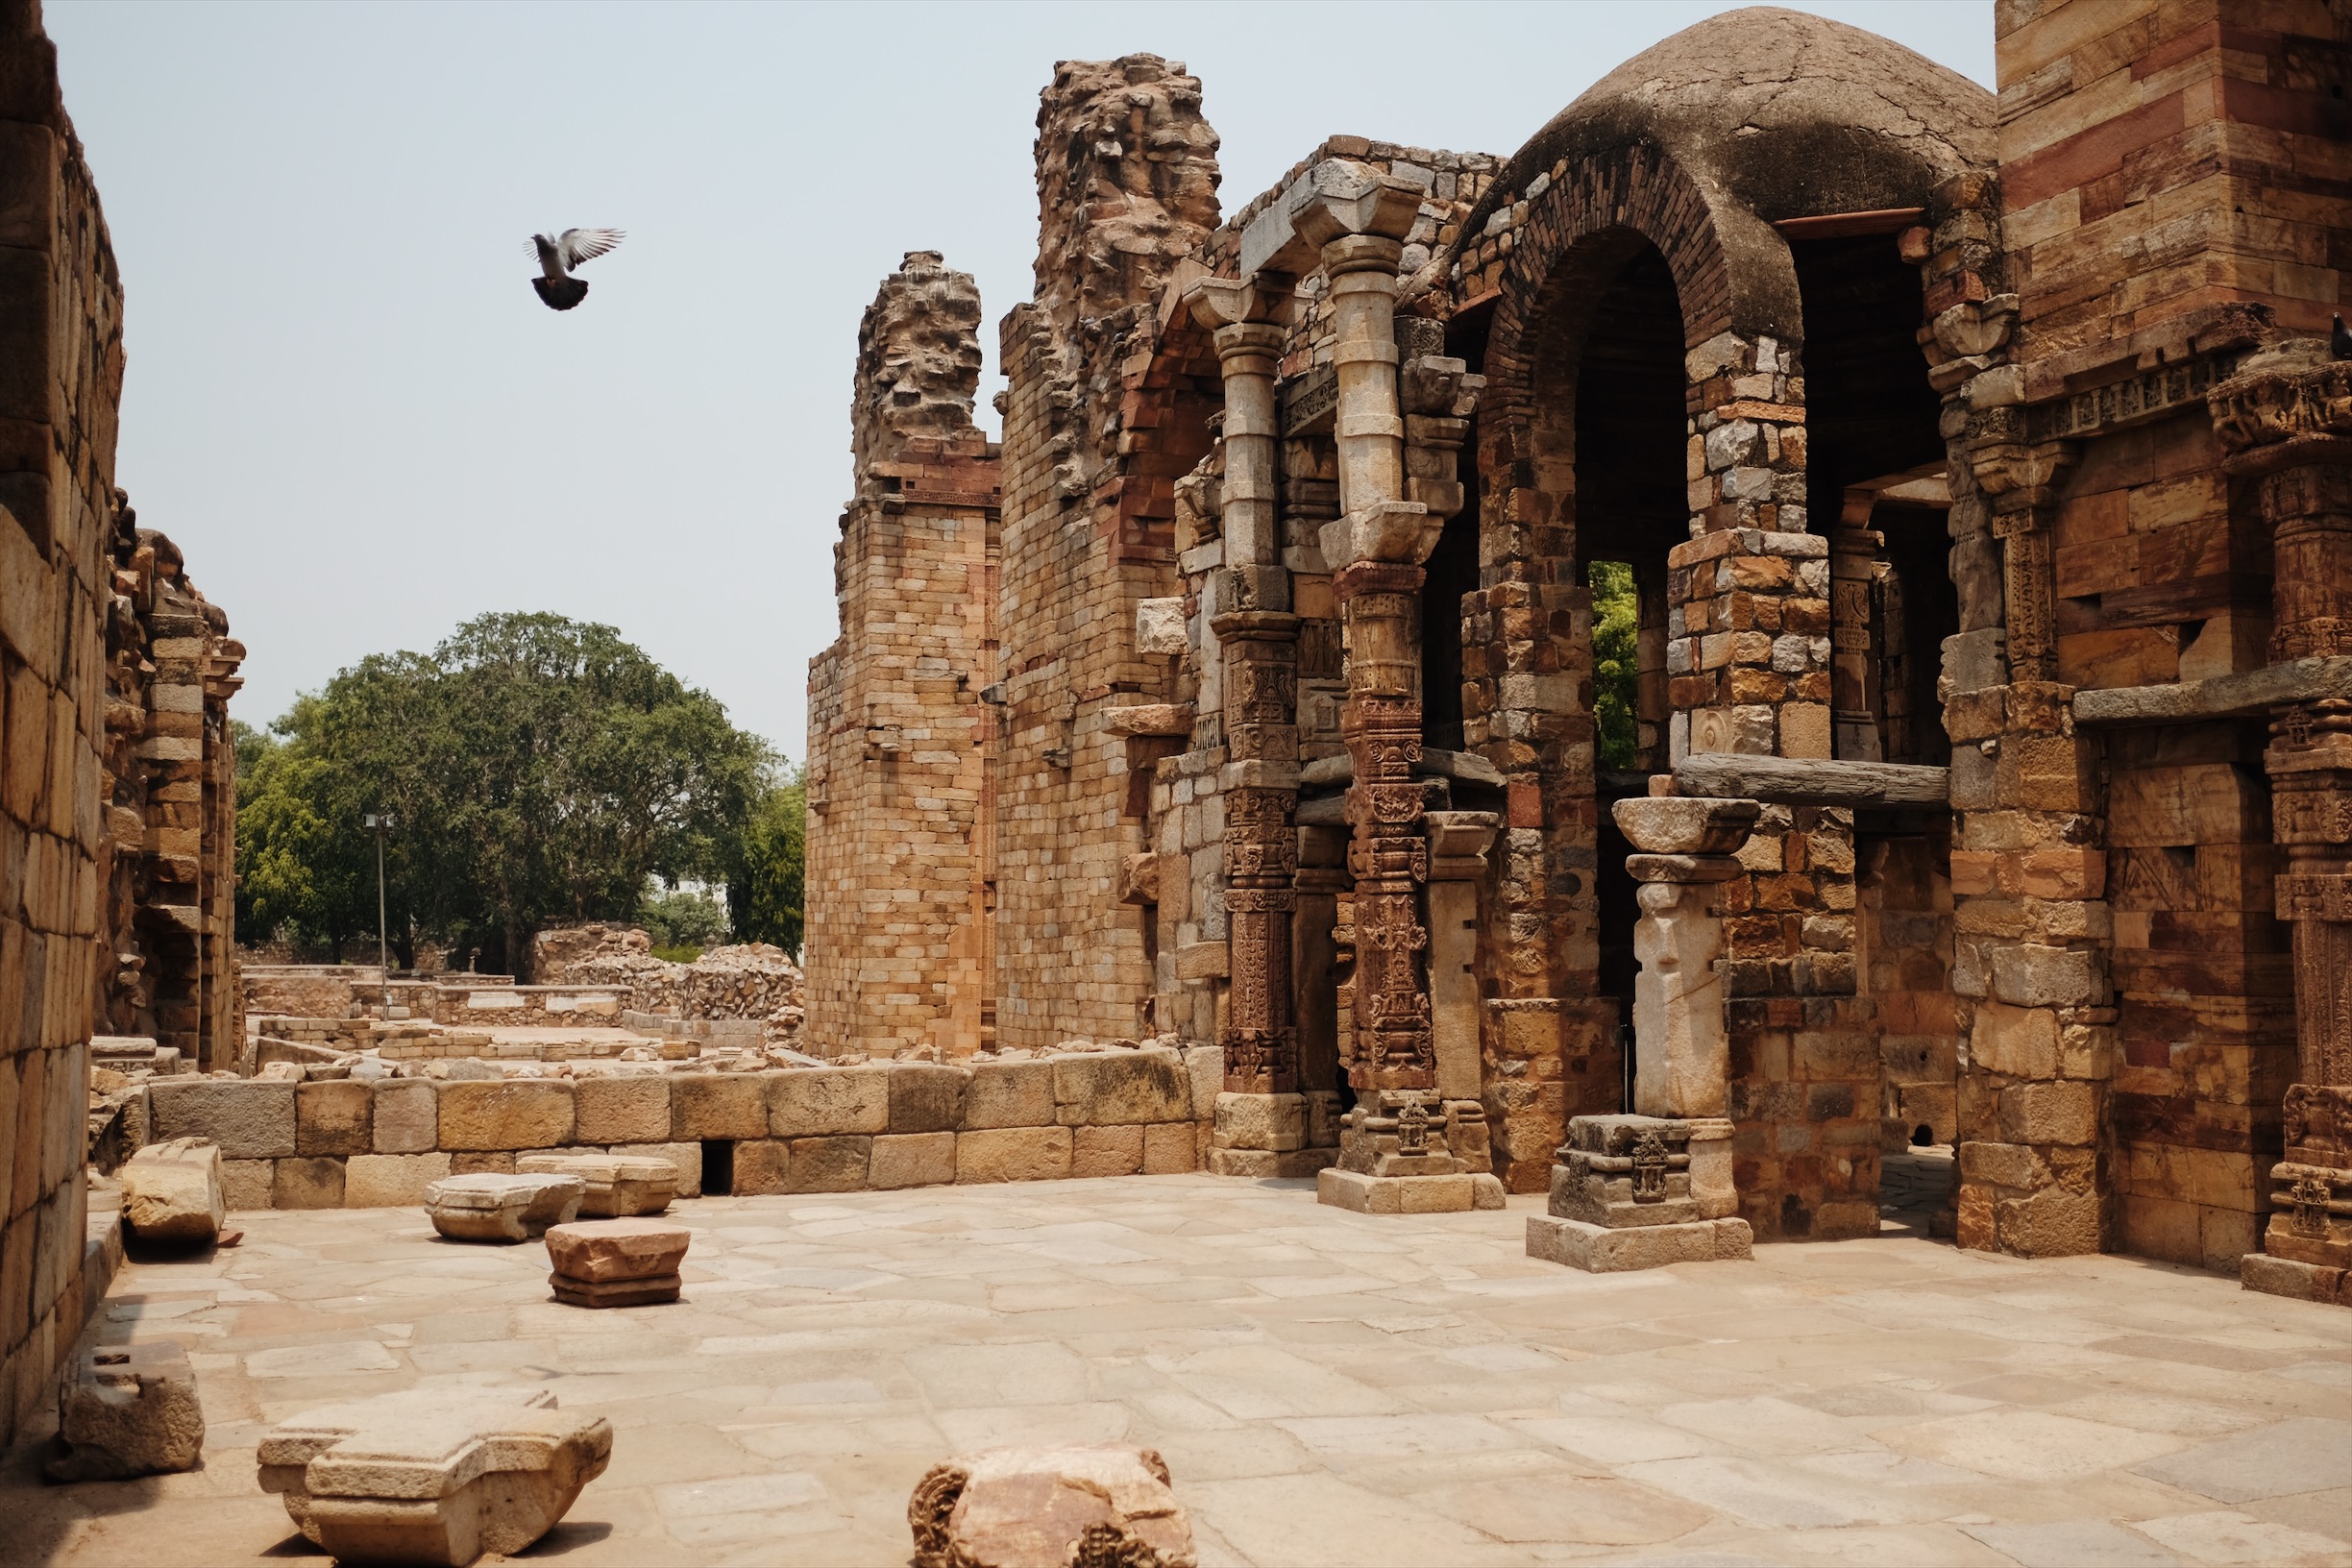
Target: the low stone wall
(512, 1006)
(357, 1143)
(311, 991)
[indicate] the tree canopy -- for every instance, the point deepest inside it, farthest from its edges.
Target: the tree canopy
(1616, 660)
(538, 770)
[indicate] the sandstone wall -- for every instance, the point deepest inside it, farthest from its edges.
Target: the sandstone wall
(61, 385)
(357, 1143)
(900, 793)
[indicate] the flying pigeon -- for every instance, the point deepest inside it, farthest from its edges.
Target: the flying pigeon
(557, 257)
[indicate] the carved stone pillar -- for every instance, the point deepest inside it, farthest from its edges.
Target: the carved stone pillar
(2021, 480)
(1655, 1188)
(1394, 1156)
(1457, 846)
(1261, 1116)
(2286, 419)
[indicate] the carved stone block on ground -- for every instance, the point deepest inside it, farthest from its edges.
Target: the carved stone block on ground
(614, 1185)
(615, 1263)
(129, 1410)
(486, 1207)
(1030, 1508)
(436, 1476)
(172, 1192)
(1600, 1249)
(1453, 1194)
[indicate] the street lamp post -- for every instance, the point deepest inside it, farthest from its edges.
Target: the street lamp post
(381, 823)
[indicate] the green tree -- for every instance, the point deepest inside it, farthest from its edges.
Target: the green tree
(682, 921)
(1616, 660)
(303, 873)
(766, 889)
(540, 770)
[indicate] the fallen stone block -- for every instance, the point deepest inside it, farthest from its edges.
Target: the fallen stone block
(1600, 1249)
(172, 1192)
(129, 1410)
(615, 1263)
(435, 1477)
(486, 1207)
(1050, 1507)
(615, 1186)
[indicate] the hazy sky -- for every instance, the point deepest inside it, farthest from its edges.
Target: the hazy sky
(346, 404)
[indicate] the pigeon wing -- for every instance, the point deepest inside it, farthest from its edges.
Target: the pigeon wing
(579, 245)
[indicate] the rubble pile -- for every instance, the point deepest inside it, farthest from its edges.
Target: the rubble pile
(751, 980)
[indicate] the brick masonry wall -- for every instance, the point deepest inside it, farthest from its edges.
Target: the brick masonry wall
(901, 872)
(355, 1143)
(61, 381)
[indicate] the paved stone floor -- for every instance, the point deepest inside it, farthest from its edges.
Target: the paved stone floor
(1327, 1388)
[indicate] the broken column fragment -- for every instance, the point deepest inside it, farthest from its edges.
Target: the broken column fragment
(434, 1476)
(488, 1207)
(614, 1185)
(172, 1192)
(129, 1410)
(1031, 1507)
(615, 1263)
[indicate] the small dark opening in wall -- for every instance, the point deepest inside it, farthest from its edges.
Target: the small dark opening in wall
(717, 1166)
(1922, 1135)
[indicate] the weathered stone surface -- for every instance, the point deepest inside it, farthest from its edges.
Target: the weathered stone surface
(334, 1116)
(1678, 825)
(1107, 1151)
(652, 1291)
(248, 1184)
(391, 1181)
(926, 1099)
(1014, 1154)
(762, 1165)
(406, 1117)
(686, 1159)
(129, 1410)
(828, 1165)
(1050, 1507)
(436, 1477)
(614, 1185)
(616, 1249)
(1115, 1087)
(248, 1120)
(912, 1159)
(2295, 1281)
(505, 1114)
(172, 1192)
(818, 1101)
(1170, 1148)
(718, 1105)
(493, 1208)
(1601, 1249)
(308, 1182)
(1009, 1094)
(622, 1109)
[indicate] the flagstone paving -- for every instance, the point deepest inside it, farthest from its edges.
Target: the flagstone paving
(1327, 1388)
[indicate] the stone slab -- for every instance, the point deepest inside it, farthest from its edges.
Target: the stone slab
(1600, 1249)
(613, 1185)
(1453, 1194)
(1048, 1506)
(2295, 1280)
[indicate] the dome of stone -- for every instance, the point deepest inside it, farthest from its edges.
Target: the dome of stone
(1787, 115)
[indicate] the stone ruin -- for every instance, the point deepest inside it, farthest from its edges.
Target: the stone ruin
(1244, 694)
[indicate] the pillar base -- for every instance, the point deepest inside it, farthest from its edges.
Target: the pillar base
(1265, 1163)
(1366, 1194)
(2295, 1281)
(1602, 1249)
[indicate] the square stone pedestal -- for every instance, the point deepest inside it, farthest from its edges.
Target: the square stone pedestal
(1641, 1192)
(1265, 1134)
(1394, 1160)
(2307, 1247)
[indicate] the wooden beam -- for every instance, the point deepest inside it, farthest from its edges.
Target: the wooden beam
(1801, 782)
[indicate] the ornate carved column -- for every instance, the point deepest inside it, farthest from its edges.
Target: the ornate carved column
(2020, 479)
(1644, 1191)
(2286, 419)
(1261, 1116)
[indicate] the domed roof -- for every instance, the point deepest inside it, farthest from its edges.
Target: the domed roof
(1788, 115)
